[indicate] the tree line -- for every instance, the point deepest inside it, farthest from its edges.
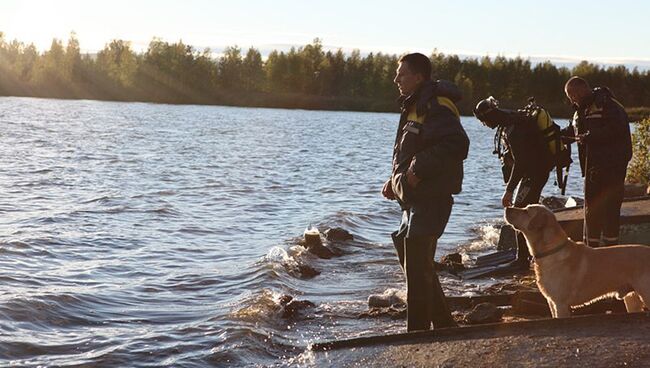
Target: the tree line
(303, 77)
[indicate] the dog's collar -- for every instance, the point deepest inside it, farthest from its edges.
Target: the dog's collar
(553, 250)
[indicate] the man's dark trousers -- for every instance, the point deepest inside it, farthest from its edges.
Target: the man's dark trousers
(604, 191)
(416, 242)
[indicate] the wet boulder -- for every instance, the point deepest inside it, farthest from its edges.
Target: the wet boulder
(396, 312)
(321, 251)
(338, 234)
(452, 263)
(306, 272)
(291, 307)
(388, 298)
(484, 313)
(314, 244)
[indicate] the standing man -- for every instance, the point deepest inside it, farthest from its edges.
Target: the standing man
(428, 155)
(600, 126)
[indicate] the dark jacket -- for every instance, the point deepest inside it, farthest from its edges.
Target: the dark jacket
(608, 143)
(526, 153)
(431, 140)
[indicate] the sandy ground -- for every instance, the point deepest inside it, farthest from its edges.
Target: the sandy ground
(591, 341)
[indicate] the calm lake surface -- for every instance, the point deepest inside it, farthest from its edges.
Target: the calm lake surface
(147, 235)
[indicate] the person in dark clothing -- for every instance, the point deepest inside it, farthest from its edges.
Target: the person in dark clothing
(430, 146)
(526, 161)
(601, 128)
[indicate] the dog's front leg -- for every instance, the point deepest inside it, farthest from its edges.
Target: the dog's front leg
(562, 310)
(552, 307)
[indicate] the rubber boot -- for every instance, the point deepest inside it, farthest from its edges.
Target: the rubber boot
(424, 297)
(441, 314)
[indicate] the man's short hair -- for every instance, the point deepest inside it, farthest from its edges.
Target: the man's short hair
(418, 64)
(576, 82)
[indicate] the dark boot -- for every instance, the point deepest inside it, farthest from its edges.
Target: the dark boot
(441, 314)
(522, 261)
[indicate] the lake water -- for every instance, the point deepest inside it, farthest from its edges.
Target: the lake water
(147, 235)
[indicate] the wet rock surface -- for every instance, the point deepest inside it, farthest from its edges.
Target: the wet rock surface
(388, 298)
(483, 313)
(306, 272)
(452, 263)
(291, 308)
(338, 234)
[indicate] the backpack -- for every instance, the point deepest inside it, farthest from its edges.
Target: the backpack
(550, 134)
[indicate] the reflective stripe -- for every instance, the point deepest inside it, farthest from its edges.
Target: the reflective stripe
(444, 101)
(413, 116)
(594, 116)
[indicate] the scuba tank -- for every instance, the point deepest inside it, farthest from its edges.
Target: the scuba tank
(550, 131)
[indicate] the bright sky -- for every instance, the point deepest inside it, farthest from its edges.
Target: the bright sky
(610, 32)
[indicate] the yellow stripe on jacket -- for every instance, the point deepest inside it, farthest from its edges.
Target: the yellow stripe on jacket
(442, 101)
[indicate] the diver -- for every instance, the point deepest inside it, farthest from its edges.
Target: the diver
(525, 157)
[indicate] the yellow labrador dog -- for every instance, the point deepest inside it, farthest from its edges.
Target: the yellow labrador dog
(570, 273)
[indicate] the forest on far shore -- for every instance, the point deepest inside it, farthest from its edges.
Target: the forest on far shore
(304, 77)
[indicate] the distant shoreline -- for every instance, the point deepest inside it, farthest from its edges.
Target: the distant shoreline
(310, 102)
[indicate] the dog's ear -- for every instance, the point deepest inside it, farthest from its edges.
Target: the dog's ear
(537, 222)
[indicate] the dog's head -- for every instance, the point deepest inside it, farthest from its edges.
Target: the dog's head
(537, 223)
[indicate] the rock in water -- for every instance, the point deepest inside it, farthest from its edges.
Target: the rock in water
(292, 307)
(452, 263)
(338, 234)
(314, 244)
(307, 272)
(389, 298)
(312, 237)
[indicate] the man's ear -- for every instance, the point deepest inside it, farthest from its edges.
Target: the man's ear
(537, 222)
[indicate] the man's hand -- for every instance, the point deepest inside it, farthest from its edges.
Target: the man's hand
(580, 138)
(387, 190)
(411, 179)
(506, 199)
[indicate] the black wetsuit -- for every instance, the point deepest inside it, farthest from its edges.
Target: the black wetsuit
(530, 164)
(604, 155)
(431, 142)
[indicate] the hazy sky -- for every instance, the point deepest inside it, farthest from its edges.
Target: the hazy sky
(599, 31)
